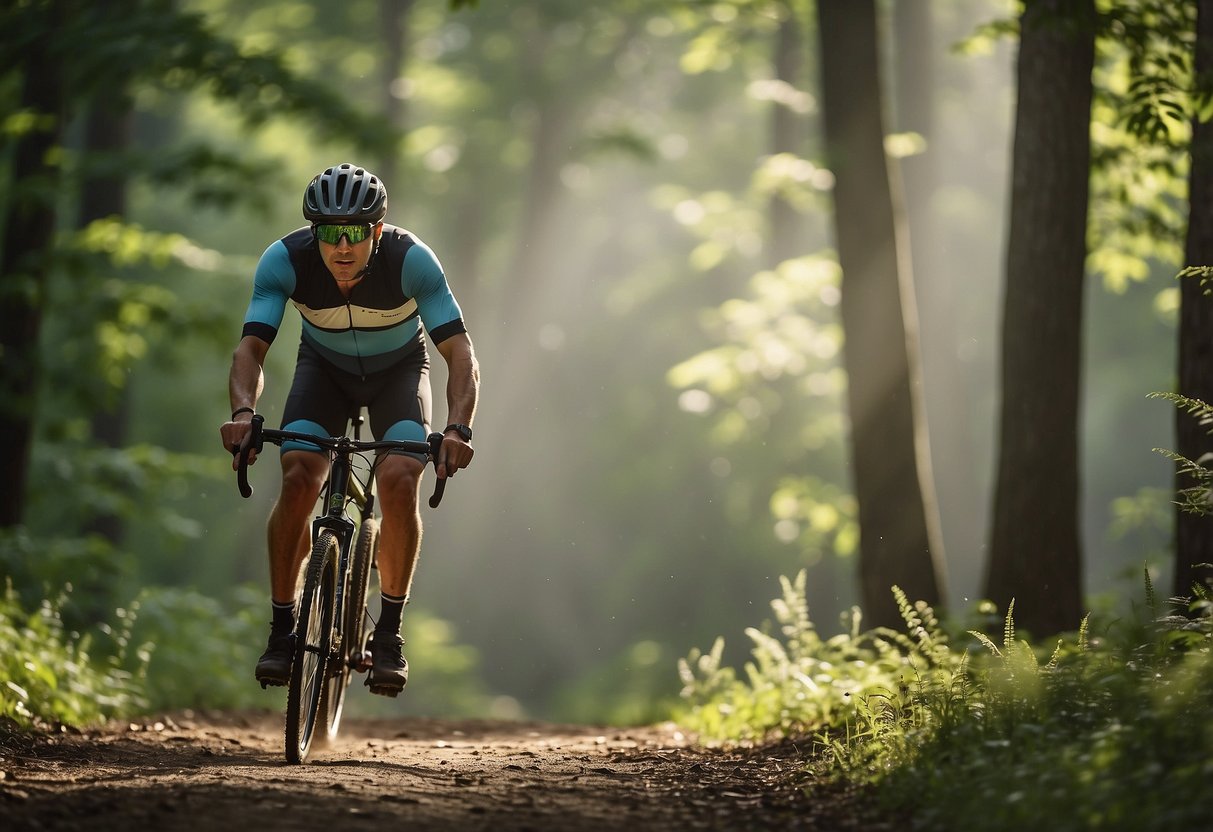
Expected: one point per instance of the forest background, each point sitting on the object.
(663, 429)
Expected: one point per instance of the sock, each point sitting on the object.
(389, 615)
(284, 617)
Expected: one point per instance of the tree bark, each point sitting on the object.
(108, 130)
(899, 533)
(28, 232)
(1194, 533)
(1035, 549)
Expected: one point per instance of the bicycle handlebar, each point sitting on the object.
(260, 436)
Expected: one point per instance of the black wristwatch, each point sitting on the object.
(462, 430)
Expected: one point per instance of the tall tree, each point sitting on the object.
(108, 131)
(1194, 532)
(899, 531)
(1035, 550)
(24, 264)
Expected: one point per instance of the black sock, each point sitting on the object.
(284, 617)
(389, 615)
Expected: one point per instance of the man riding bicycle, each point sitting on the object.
(364, 289)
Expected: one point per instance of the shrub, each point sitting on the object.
(51, 674)
(799, 681)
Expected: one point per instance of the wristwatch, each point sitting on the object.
(462, 430)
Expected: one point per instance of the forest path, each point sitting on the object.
(223, 771)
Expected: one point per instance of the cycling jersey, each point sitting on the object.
(364, 351)
(381, 322)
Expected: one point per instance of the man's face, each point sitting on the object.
(344, 260)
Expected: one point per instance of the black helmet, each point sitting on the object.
(345, 193)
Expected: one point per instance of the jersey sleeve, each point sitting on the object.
(273, 284)
(422, 278)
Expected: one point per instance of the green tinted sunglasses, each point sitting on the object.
(332, 234)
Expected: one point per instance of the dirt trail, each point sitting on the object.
(226, 772)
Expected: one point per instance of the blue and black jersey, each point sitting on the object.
(381, 322)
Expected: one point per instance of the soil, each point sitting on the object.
(226, 771)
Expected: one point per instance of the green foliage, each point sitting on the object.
(85, 572)
(1104, 735)
(200, 650)
(798, 681)
(49, 673)
(1196, 498)
(1102, 730)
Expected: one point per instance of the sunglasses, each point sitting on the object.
(332, 234)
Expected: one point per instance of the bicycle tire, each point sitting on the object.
(353, 629)
(314, 631)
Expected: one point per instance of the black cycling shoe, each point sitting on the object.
(274, 666)
(389, 671)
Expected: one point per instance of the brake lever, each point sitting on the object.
(254, 443)
(435, 440)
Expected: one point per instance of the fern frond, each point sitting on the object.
(1055, 659)
(1084, 633)
(906, 609)
(1202, 410)
(986, 642)
(1205, 273)
(1008, 628)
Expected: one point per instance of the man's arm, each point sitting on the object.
(462, 395)
(245, 382)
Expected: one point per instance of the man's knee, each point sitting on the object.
(303, 474)
(399, 478)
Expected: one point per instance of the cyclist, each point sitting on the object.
(364, 290)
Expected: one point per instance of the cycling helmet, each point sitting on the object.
(345, 193)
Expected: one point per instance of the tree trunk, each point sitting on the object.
(1035, 551)
(899, 535)
(28, 232)
(108, 130)
(1193, 533)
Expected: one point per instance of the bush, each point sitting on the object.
(1097, 732)
(201, 649)
(798, 681)
(51, 674)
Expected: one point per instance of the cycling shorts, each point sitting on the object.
(323, 398)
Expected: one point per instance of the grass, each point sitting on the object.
(1104, 729)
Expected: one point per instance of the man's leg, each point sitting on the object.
(303, 474)
(398, 480)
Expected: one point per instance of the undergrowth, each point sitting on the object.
(1104, 729)
(51, 674)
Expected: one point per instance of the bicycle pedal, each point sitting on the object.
(385, 690)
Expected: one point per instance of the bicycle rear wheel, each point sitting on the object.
(314, 630)
(353, 630)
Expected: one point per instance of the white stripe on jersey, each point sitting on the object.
(339, 317)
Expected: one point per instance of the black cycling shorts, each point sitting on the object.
(323, 398)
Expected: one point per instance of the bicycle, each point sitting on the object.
(330, 622)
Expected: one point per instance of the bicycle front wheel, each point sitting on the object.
(353, 638)
(313, 639)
